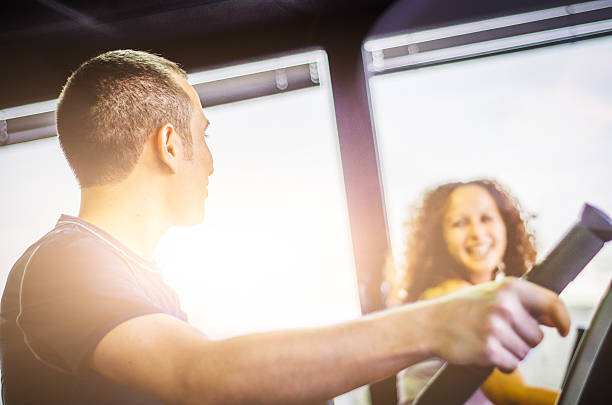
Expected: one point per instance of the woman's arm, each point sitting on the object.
(445, 288)
(511, 389)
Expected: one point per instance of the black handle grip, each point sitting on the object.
(454, 384)
(567, 259)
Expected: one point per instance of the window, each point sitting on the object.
(274, 250)
(538, 120)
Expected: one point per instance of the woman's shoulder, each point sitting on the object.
(444, 288)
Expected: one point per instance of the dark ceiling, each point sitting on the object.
(44, 40)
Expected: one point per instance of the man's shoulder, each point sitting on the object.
(66, 253)
(65, 245)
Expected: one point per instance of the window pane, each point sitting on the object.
(539, 121)
(274, 249)
(37, 186)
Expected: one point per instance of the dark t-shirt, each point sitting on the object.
(64, 294)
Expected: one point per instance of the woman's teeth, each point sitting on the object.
(478, 250)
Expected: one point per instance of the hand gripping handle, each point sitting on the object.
(453, 384)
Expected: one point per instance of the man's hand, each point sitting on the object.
(495, 323)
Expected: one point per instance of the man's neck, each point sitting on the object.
(136, 221)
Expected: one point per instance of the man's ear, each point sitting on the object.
(168, 147)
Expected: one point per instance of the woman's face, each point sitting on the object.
(474, 232)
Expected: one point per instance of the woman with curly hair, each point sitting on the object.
(464, 234)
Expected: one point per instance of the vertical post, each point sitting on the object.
(361, 175)
(359, 162)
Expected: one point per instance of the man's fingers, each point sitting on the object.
(502, 358)
(526, 327)
(510, 340)
(543, 304)
(497, 323)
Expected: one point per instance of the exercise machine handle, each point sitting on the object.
(454, 384)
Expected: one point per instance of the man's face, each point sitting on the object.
(194, 173)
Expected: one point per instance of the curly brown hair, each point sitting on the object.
(428, 262)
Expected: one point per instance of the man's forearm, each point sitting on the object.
(310, 365)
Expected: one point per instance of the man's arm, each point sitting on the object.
(490, 324)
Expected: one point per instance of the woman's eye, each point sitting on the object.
(459, 223)
(486, 218)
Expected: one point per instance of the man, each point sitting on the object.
(88, 320)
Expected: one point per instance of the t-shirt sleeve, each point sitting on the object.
(71, 295)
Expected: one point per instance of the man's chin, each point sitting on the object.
(199, 219)
(192, 219)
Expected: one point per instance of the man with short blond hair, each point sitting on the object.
(87, 318)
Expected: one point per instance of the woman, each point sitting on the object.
(465, 234)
